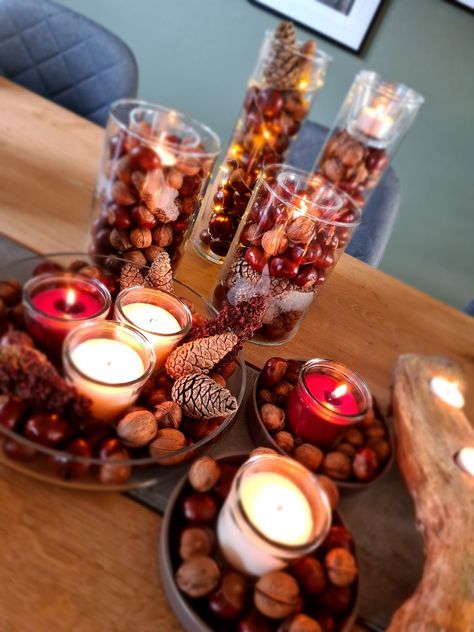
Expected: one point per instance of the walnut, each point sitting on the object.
(330, 489)
(354, 437)
(341, 567)
(375, 430)
(120, 239)
(273, 418)
(167, 440)
(346, 448)
(274, 241)
(332, 169)
(381, 448)
(285, 441)
(135, 256)
(266, 396)
(350, 154)
(196, 541)
(204, 474)
(300, 623)
(308, 455)
(337, 465)
(123, 194)
(137, 428)
(168, 414)
(162, 235)
(301, 229)
(198, 576)
(262, 450)
(140, 237)
(276, 595)
(152, 252)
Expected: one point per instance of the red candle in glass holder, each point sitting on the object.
(327, 399)
(56, 302)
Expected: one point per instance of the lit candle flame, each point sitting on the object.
(70, 297)
(339, 391)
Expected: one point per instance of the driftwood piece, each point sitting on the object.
(429, 432)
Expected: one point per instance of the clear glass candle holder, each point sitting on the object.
(55, 303)
(108, 362)
(374, 118)
(327, 399)
(275, 513)
(154, 171)
(291, 236)
(275, 105)
(160, 316)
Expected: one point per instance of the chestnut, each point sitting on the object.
(223, 485)
(18, 451)
(221, 227)
(144, 157)
(12, 410)
(254, 622)
(229, 599)
(273, 372)
(270, 102)
(198, 507)
(68, 468)
(115, 472)
(46, 266)
(283, 267)
(47, 429)
(256, 258)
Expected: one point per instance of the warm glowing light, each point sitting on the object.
(448, 391)
(70, 297)
(303, 84)
(267, 135)
(339, 391)
(218, 208)
(235, 150)
(464, 459)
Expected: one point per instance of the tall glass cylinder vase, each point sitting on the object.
(294, 230)
(154, 171)
(287, 76)
(373, 120)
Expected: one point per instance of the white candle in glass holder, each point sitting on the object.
(374, 122)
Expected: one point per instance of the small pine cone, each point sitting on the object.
(241, 269)
(200, 356)
(160, 276)
(202, 398)
(279, 287)
(130, 276)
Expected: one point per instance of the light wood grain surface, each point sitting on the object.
(88, 562)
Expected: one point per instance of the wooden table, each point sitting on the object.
(79, 561)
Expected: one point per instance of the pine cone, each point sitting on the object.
(160, 276)
(202, 398)
(130, 276)
(199, 356)
(286, 67)
(308, 50)
(241, 269)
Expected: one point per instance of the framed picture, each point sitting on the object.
(345, 22)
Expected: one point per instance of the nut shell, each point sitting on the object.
(168, 415)
(276, 595)
(300, 623)
(308, 455)
(273, 417)
(204, 474)
(341, 567)
(196, 541)
(167, 440)
(337, 465)
(198, 576)
(137, 428)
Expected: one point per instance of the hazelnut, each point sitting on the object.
(10, 292)
(135, 256)
(196, 541)
(167, 440)
(330, 489)
(218, 378)
(162, 235)
(168, 414)
(204, 474)
(152, 252)
(262, 450)
(308, 455)
(273, 418)
(381, 448)
(198, 576)
(300, 230)
(337, 466)
(310, 574)
(140, 237)
(276, 595)
(282, 390)
(375, 430)
(274, 241)
(137, 428)
(123, 194)
(341, 567)
(354, 437)
(300, 623)
(285, 441)
(365, 464)
(265, 396)
(346, 448)
(112, 473)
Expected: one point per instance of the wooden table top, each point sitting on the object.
(85, 561)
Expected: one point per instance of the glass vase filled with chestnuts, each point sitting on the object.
(295, 228)
(287, 76)
(154, 171)
(369, 128)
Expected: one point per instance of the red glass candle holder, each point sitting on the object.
(327, 398)
(57, 302)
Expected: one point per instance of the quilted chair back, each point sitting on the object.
(65, 57)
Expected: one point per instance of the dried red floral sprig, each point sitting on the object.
(27, 373)
(243, 319)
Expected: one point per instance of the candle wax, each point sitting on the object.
(374, 122)
(277, 508)
(68, 303)
(308, 421)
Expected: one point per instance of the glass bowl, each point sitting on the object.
(48, 464)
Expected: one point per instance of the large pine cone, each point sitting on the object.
(202, 398)
(199, 356)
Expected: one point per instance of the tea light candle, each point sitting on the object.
(108, 363)
(160, 316)
(56, 302)
(374, 122)
(448, 391)
(464, 459)
(275, 513)
(327, 399)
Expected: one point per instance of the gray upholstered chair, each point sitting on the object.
(65, 57)
(469, 309)
(369, 241)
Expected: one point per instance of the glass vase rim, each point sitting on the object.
(45, 276)
(386, 88)
(112, 325)
(172, 147)
(321, 56)
(348, 374)
(283, 167)
(123, 293)
(315, 540)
